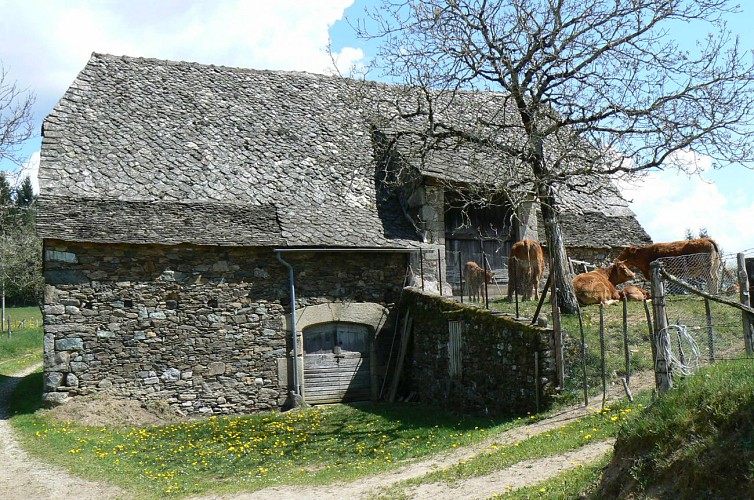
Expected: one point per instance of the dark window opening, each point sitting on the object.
(212, 303)
(128, 303)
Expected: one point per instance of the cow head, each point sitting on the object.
(620, 273)
(627, 253)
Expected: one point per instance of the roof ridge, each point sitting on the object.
(103, 56)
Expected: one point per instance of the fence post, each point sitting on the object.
(743, 292)
(627, 353)
(663, 374)
(602, 355)
(710, 332)
(484, 280)
(558, 333)
(583, 357)
(439, 272)
(460, 276)
(421, 265)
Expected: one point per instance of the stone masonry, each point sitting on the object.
(201, 328)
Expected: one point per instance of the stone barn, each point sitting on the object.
(192, 214)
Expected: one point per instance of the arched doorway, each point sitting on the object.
(336, 362)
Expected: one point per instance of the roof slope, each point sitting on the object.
(149, 151)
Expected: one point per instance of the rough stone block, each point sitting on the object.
(69, 344)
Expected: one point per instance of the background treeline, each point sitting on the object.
(21, 280)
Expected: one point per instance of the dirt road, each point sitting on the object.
(22, 477)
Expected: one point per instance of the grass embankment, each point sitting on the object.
(697, 441)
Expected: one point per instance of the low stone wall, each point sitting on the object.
(494, 370)
(201, 328)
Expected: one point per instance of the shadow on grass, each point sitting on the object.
(20, 395)
(419, 415)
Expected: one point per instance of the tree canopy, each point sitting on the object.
(598, 89)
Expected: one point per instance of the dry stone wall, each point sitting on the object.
(502, 366)
(200, 328)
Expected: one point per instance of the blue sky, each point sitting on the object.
(44, 44)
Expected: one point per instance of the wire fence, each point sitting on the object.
(707, 319)
(699, 330)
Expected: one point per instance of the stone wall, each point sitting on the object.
(201, 328)
(495, 372)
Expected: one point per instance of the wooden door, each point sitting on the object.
(336, 363)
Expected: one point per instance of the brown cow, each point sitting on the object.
(634, 293)
(526, 265)
(475, 280)
(641, 257)
(598, 286)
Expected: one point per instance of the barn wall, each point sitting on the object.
(496, 375)
(201, 328)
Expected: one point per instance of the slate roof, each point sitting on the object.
(151, 151)
(599, 219)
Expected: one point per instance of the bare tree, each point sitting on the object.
(16, 119)
(579, 92)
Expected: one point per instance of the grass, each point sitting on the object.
(688, 439)
(598, 426)
(698, 439)
(24, 347)
(574, 483)
(311, 446)
(682, 309)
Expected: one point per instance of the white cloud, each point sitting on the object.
(46, 44)
(667, 203)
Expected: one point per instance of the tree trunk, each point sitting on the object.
(561, 271)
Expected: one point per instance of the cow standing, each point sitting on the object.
(598, 286)
(475, 279)
(642, 257)
(526, 265)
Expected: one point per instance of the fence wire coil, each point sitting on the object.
(684, 363)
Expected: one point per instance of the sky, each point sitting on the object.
(44, 44)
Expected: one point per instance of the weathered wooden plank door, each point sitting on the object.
(336, 363)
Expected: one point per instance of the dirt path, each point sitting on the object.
(521, 474)
(23, 477)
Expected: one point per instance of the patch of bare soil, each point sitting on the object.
(111, 411)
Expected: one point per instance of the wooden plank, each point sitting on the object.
(407, 321)
(344, 363)
(331, 379)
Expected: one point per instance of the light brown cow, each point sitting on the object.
(598, 286)
(634, 293)
(642, 257)
(475, 280)
(526, 265)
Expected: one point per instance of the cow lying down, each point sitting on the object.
(598, 286)
(634, 293)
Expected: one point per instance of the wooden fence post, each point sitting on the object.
(626, 351)
(663, 374)
(743, 291)
(583, 358)
(558, 333)
(602, 355)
